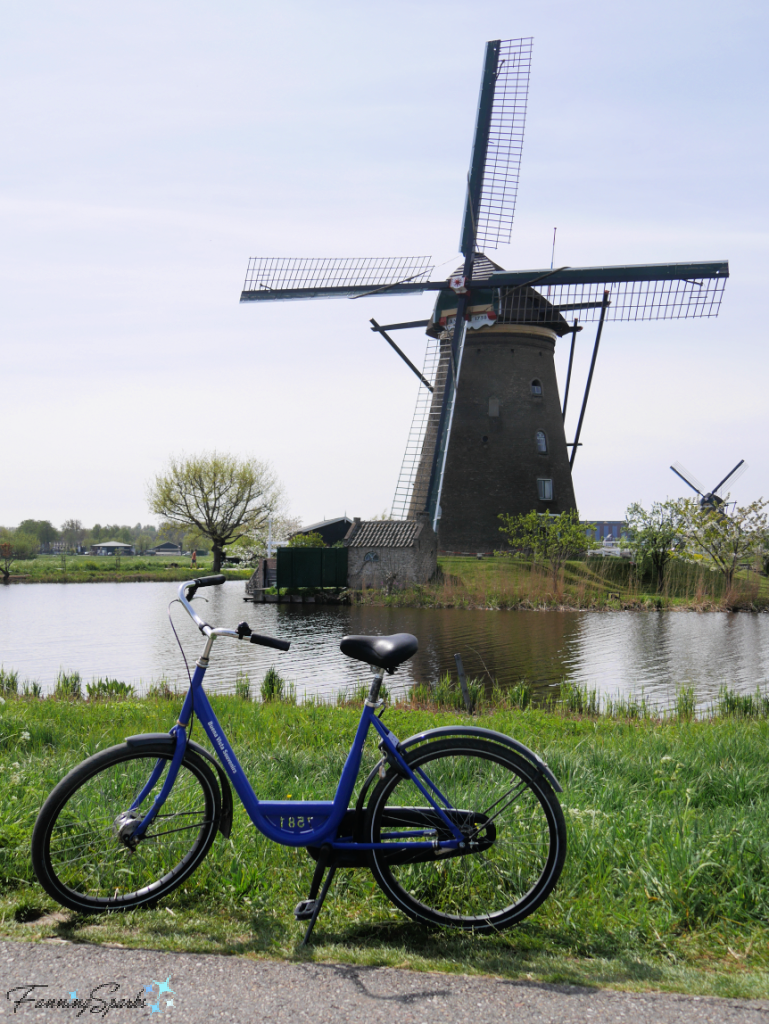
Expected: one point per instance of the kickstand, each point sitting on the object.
(310, 908)
(319, 904)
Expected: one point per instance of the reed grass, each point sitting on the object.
(242, 685)
(68, 686)
(275, 688)
(666, 883)
(109, 689)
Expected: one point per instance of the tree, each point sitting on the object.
(728, 540)
(222, 497)
(550, 539)
(72, 533)
(656, 535)
(306, 540)
(15, 547)
(43, 529)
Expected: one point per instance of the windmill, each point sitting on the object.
(709, 499)
(497, 443)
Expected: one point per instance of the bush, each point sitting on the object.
(307, 540)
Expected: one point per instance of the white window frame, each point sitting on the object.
(544, 484)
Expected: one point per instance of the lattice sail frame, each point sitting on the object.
(629, 300)
(297, 278)
(496, 208)
(411, 489)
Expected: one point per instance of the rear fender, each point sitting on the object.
(485, 734)
(439, 734)
(164, 739)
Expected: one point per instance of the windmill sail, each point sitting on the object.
(269, 278)
(532, 308)
(411, 490)
(499, 191)
(662, 291)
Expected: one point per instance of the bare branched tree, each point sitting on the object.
(222, 497)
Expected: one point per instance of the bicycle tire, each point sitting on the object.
(76, 853)
(502, 804)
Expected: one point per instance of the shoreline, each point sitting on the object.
(498, 583)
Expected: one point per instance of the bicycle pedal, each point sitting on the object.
(304, 910)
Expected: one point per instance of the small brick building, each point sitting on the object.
(390, 554)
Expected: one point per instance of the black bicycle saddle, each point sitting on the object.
(383, 651)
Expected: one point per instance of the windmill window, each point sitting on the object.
(541, 442)
(485, 439)
(536, 387)
(545, 489)
(493, 407)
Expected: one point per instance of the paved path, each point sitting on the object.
(212, 989)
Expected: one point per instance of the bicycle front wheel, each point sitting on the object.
(512, 823)
(77, 854)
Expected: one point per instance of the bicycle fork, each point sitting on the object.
(131, 824)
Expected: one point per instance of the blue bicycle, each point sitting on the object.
(460, 826)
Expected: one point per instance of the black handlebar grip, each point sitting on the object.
(269, 641)
(210, 581)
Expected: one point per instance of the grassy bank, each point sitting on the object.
(666, 883)
(493, 583)
(503, 582)
(109, 569)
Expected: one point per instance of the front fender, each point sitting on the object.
(164, 739)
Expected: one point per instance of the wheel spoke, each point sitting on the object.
(85, 865)
(513, 817)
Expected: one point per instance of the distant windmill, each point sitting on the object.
(497, 443)
(709, 499)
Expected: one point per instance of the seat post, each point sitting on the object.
(376, 682)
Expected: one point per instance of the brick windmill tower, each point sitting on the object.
(488, 431)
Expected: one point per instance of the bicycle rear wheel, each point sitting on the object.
(513, 826)
(77, 855)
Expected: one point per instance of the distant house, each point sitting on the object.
(166, 548)
(390, 554)
(112, 547)
(331, 530)
(610, 531)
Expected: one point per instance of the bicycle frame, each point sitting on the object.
(294, 822)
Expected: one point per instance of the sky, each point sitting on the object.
(149, 149)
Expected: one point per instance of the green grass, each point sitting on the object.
(108, 569)
(502, 582)
(666, 883)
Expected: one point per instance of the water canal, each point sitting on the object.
(121, 631)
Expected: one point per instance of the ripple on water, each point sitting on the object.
(121, 631)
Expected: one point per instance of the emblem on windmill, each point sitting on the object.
(488, 430)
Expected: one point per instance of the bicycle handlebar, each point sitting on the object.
(270, 641)
(209, 581)
(186, 594)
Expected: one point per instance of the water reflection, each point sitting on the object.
(121, 631)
